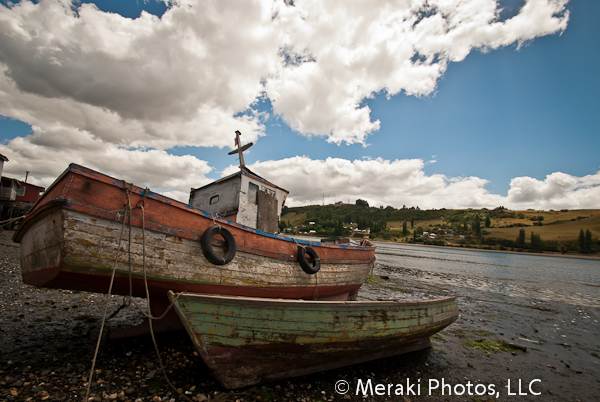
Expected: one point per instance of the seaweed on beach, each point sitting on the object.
(490, 346)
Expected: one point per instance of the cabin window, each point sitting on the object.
(21, 191)
(214, 199)
(252, 193)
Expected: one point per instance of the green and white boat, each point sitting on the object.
(247, 340)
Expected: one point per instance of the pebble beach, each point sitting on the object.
(502, 347)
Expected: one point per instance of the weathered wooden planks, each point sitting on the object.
(95, 244)
(74, 240)
(247, 341)
(41, 249)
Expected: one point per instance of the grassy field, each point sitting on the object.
(562, 227)
(397, 225)
(556, 225)
(294, 218)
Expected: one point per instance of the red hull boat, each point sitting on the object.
(73, 239)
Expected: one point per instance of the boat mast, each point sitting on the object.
(240, 150)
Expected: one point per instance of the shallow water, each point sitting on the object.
(571, 280)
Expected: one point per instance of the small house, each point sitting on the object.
(17, 197)
(2, 160)
(15, 190)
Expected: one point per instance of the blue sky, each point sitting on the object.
(527, 111)
(496, 115)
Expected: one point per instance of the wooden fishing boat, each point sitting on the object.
(72, 238)
(247, 341)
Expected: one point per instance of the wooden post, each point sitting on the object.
(240, 149)
(10, 217)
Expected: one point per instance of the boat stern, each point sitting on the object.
(41, 248)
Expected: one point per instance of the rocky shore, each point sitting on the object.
(48, 337)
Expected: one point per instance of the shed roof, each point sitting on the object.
(246, 172)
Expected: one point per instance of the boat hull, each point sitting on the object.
(75, 236)
(248, 341)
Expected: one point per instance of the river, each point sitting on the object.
(571, 280)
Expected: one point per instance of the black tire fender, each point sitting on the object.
(208, 250)
(304, 264)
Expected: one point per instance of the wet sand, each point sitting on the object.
(47, 341)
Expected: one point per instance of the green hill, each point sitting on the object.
(568, 231)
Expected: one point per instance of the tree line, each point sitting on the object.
(342, 220)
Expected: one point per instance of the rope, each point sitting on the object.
(121, 307)
(13, 219)
(219, 226)
(127, 211)
(142, 201)
(149, 314)
(112, 279)
(223, 258)
(128, 195)
(316, 295)
(214, 221)
(140, 204)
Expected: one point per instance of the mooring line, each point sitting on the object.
(139, 204)
(112, 279)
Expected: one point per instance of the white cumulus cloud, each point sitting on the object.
(186, 78)
(47, 153)
(403, 182)
(116, 94)
(558, 190)
(378, 181)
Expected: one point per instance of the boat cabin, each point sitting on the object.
(243, 197)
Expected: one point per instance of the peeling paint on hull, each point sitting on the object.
(70, 239)
(248, 341)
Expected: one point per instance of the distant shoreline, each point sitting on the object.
(546, 254)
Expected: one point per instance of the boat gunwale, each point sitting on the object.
(103, 178)
(287, 302)
(92, 211)
(43, 210)
(220, 357)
